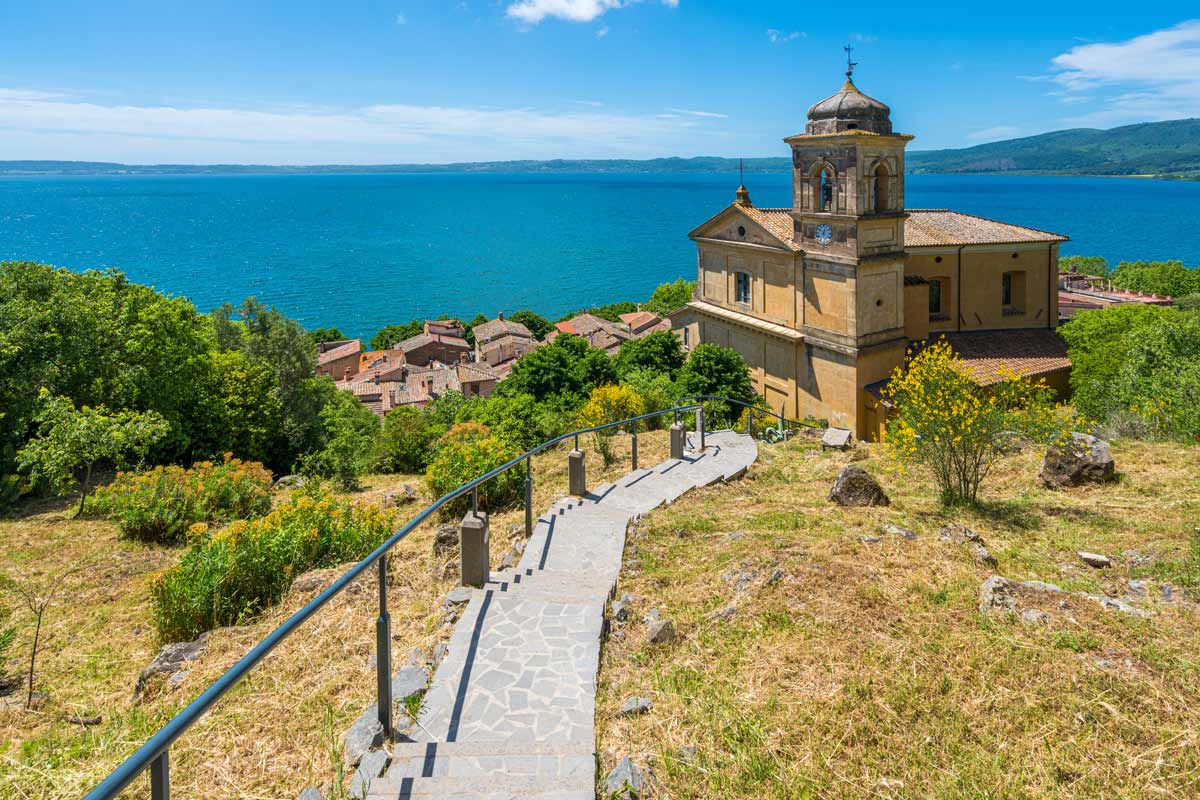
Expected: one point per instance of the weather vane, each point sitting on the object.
(850, 65)
(741, 174)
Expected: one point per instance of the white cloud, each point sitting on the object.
(534, 11)
(994, 134)
(1155, 76)
(602, 31)
(37, 125)
(401, 19)
(707, 114)
(775, 36)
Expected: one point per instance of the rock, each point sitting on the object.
(311, 793)
(959, 534)
(740, 578)
(169, 661)
(403, 496)
(661, 632)
(445, 541)
(776, 576)
(1084, 459)
(1001, 594)
(310, 581)
(837, 438)
(651, 616)
(1094, 559)
(624, 782)
(1139, 588)
(371, 767)
(997, 593)
(870, 539)
(723, 613)
(1113, 604)
(409, 681)
(855, 487)
(635, 705)
(1033, 616)
(982, 555)
(439, 653)
(896, 530)
(290, 482)
(458, 596)
(620, 611)
(734, 536)
(365, 733)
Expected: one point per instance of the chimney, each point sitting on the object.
(348, 374)
(500, 316)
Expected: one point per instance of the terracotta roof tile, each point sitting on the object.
(934, 227)
(349, 348)
(1033, 352)
(777, 221)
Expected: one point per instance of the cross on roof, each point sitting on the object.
(850, 65)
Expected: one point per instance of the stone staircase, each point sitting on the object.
(510, 712)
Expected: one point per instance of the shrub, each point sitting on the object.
(720, 371)
(229, 577)
(669, 297)
(406, 441)
(947, 422)
(351, 430)
(661, 352)
(161, 504)
(465, 452)
(657, 390)
(609, 404)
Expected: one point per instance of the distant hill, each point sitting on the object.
(1159, 149)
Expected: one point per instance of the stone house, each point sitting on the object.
(425, 348)
(824, 298)
(598, 332)
(499, 342)
(339, 360)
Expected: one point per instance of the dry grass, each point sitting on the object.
(278, 731)
(867, 670)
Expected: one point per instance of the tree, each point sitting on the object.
(406, 441)
(670, 297)
(390, 335)
(945, 421)
(253, 416)
(1170, 278)
(660, 352)
(319, 335)
(719, 371)
(351, 430)
(469, 328)
(1098, 343)
(71, 440)
(1189, 303)
(37, 600)
(567, 367)
(1086, 265)
(516, 419)
(609, 404)
(538, 325)
(656, 388)
(1159, 380)
(8, 634)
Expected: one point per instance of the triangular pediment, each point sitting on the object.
(741, 225)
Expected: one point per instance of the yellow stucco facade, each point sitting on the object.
(822, 299)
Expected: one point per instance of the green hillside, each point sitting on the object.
(1161, 149)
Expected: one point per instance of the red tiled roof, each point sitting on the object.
(934, 227)
(349, 348)
(1032, 352)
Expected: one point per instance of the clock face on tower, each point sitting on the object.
(824, 234)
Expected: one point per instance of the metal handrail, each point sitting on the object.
(154, 753)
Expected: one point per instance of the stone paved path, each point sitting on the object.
(510, 712)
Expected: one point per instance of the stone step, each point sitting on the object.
(527, 763)
(496, 786)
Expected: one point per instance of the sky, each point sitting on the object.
(436, 81)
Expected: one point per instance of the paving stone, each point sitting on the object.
(371, 767)
(636, 705)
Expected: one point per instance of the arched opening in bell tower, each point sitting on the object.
(882, 200)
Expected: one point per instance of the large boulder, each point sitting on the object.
(169, 666)
(855, 487)
(1082, 459)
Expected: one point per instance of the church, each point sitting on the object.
(824, 298)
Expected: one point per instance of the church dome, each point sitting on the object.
(849, 110)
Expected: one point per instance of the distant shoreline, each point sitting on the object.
(89, 169)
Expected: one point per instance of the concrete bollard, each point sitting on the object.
(576, 473)
(473, 535)
(678, 437)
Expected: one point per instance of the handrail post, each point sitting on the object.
(750, 417)
(475, 500)
(700, 424)
(529, 497)
(635, 453)
(160, 777)
(383, 654)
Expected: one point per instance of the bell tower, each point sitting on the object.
(848, 217)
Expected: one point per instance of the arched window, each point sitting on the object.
(881, 188)
(825, 198)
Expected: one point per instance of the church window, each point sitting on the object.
(935, 296)
(1006, 287)
(1012, 291)
(826, 190)
(687, 343)
(881, 188)
(743, 288)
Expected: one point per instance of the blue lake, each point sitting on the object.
(360, 251)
